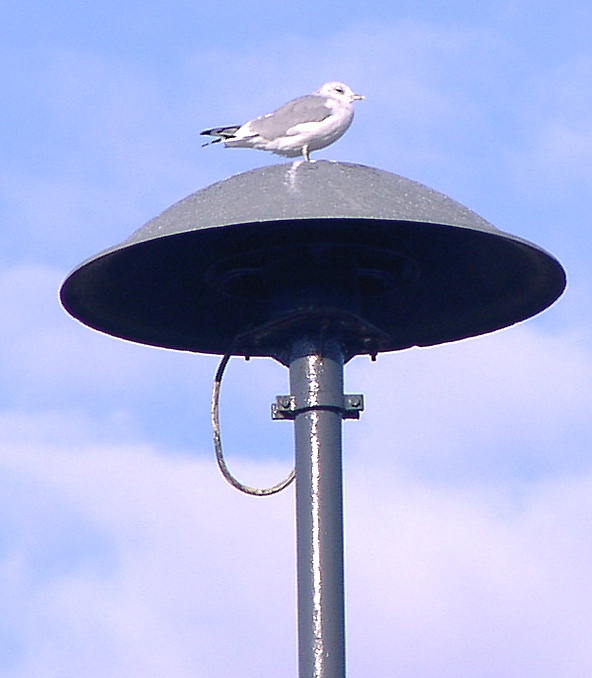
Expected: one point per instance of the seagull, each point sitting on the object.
(302, 125)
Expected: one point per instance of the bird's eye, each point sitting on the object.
(340, 90)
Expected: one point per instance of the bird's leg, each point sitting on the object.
(305, 153)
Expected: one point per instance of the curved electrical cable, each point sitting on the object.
(265, 492)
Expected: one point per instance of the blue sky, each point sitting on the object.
(468, 479)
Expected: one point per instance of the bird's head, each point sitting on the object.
(339, 90)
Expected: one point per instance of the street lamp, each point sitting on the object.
(312, 263)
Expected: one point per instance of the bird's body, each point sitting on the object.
(302, 125)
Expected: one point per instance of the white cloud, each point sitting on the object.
(452, 583)
(122, 561)
(118, 559)
(515, 402)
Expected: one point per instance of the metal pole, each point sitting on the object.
(316, 384)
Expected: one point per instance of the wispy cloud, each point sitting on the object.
(120, 558)
(510, 404)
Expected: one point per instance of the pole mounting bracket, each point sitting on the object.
(285, 407)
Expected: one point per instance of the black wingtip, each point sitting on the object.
(222, 132)
(213, 141)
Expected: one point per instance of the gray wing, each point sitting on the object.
(309, 108)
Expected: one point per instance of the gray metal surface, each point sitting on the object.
(415, 268)
(316, 382)
(314, 190)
